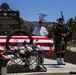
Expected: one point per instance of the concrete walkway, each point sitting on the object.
(52, 67)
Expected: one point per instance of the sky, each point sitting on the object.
(29, 9)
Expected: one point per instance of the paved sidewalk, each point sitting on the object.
(53, 68)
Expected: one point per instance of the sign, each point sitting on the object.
(9, 20)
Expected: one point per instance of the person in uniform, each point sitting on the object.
(61, 32)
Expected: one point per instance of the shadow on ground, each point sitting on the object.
(20, 69)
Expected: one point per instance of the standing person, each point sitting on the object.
(61, 32)
(40, 31)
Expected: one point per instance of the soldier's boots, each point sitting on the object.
(60, 61)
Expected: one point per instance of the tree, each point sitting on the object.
(71, 23)
(51, 30)
(21, 21)
(24, 27)
(42, 16)
(31, 30)
(22, 24)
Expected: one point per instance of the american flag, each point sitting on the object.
(45, 43)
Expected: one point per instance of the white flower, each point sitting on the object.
(22, 51)
(29, 48)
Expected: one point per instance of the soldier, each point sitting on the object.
(61, 31)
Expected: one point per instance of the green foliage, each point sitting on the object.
(21, 21)
(31, 30)
(51, 30)
(22, 24)
(72, 24)
(24, 27)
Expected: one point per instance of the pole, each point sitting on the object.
(62, 16)
(3, 70)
